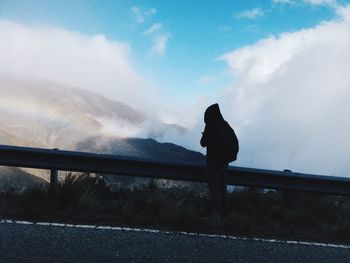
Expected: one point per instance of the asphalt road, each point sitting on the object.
(38, 243)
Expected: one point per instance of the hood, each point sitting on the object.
(213, 114)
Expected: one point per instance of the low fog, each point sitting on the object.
(288, 100)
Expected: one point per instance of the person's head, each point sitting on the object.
(213, 115)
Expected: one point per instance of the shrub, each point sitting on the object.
(81, 189)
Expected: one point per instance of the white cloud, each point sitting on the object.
(331, 3)
(160, 44)
(250, 14)
(283, 1)
(159, 39)
(140, 15)
(290, 99)
(94, 63)
(321, 2)
(344, 12)
(155, 28)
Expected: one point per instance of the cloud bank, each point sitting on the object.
(91, 62)
(290, 99)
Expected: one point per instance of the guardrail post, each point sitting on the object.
(286, 194)
(53, 180)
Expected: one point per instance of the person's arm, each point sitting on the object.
(204, 140)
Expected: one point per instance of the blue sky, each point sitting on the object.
(196, 32)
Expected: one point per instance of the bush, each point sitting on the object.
(81, 189)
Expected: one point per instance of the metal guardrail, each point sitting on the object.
(54, 160)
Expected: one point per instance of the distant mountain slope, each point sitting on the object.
(16, 181)
(52, 115)
(136, 147)
(49, 115)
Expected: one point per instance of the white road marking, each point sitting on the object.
(104, 227)
(85, 226)
(57, 224)
(24, 222)
(291, 242)
(42, 224)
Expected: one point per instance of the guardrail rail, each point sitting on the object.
(58, 160)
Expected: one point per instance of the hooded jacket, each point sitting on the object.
(212, 138)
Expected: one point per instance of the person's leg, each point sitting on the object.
(213, 177)
(223, 189)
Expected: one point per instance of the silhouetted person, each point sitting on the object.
(222, 148)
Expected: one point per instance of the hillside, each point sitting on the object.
(49, 115)
(136, 147)
(39, 113)
(15, 180)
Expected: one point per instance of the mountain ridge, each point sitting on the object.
(44, 114)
